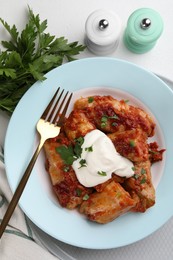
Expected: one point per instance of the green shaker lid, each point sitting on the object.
(144, 27)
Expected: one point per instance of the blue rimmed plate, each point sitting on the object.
(104, 76)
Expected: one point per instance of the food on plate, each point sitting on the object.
(67, 188)
(101, 161)
(111, 115)
(140, 187)
(107, 205)
(131, 144)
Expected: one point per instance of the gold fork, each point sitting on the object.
(48, 126)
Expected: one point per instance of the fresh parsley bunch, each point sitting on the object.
(28, 56)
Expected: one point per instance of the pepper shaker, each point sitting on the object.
(103, 29)
(144, 27)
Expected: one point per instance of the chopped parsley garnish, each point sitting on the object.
(66, 168)
(135, 176)
(89, 149)
(86, 197)
(78, 192)
(132, 143)
(139, 175)
(118, 194)
(105, 118)
(143, 181)
(113, 117)
(143, 171)
(79, 140)
(90, 99)
(114, 124)
(77, 148)
(102, 173)
(69, 153)
(82, 163)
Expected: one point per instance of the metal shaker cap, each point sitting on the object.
(103, 30)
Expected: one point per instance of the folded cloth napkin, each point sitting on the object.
(18, 241)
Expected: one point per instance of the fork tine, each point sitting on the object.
(59, 109)
(54, 108)
(62, 116)
(46, 111)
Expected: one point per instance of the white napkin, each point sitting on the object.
(18, 241)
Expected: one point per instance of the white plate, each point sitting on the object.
(91, 76)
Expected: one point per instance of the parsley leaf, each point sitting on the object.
(86, 197)
(102, 173)
(132, 143)
(66, 153)
(28, 56)
(82, 163)
(78, 192)
(77, 148)
(143, 181)
(104, 120)
(70, 153)
(90, 99)
(143, 171)
(89, 149)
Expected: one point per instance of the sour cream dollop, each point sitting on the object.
(99, 159)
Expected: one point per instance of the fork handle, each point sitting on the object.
(20, 189)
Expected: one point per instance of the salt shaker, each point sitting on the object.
(144, 27)
(102, 29)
